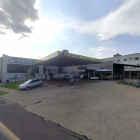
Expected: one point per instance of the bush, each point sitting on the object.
(125, 82)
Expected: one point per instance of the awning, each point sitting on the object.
(65, 59)
(105, 70)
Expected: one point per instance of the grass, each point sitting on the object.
(12, 86)
(2, 92)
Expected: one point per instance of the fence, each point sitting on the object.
(132, 81)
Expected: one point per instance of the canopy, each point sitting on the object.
(66, 59)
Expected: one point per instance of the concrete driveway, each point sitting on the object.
(100, 110)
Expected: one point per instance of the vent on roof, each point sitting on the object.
(115, 55)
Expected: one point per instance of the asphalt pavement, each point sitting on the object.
(27, 126)
(4, 136)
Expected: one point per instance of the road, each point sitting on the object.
(26, 126)
(4, 136)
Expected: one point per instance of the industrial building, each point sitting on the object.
(132, 59)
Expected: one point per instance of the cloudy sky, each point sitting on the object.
(95, 28)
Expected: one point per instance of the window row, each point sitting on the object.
(135, 58)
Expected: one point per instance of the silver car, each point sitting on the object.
(30, 84)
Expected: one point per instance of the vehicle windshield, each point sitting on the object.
(27, 81)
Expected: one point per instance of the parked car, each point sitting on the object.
(94, 77)
(30, 84)
(107, 77)
(83, 76)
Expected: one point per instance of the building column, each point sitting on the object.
(100, 75)
(73, 68)
(88, 74)
(129, 74)
(112, 76)
(47, 74)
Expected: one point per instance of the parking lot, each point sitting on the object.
(100, 110)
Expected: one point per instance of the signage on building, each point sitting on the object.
(66, 53)
(20, 61)
(17, 60)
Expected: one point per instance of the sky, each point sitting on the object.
(94, 28)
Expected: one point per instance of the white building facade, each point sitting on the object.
(132, 59)
(14, 68)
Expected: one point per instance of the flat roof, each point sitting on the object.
(105, 70)
(120, 63)
(98, 69)
(122, 55)
(93, 68)
(63, 58)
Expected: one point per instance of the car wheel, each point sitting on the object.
(72, 80)
(27, 88)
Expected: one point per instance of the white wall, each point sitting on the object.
(11, 60)
(70, 69)
(6, 76)
(121, 58)
(129, 61)
(40, 75)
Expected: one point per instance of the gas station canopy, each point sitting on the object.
(66, 59)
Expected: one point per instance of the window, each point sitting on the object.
(125, 59)
(14, 68)
(130, 58)
(136, 58)
(118, 60)
(33, 81)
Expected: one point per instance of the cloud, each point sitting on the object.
(98, 50)
(1, 32)
(31, 45)
(44, 30)
(23, 36)
(102, 51)
(14, 13)
(124, 20)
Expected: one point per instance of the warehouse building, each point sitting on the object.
(132, 59)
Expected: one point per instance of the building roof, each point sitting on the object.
(64, 58)
(120, 63)
(122, 55)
